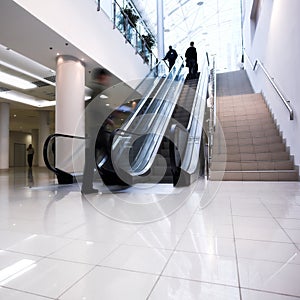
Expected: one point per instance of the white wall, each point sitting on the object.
(90, 31)
(276, 43)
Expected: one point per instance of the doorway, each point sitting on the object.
(19, 155)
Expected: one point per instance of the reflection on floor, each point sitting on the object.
(232, 240)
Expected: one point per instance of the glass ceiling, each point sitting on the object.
(214, 26)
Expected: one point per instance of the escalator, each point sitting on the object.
(180, 117)
(157, 138)
(164, 143)
(70, 169)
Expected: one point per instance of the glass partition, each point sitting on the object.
(129, 22)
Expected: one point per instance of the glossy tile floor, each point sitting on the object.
(215, 241)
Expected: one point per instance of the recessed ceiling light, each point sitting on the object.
(16, 81)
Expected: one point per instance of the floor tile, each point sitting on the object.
(256, 295)
(250, 210)
(270, 251)
(265, 229)
(84, 251)
(289, 223)
(156, 239)
(142, 259)
(11, 263)
(47, 277)
(10, 238)
(294, 234)
(9, 294)
(270, 276)
(202, 267)
(181, 289)
(211, 226)
(42, 245)
(206, 244)
(111, 284)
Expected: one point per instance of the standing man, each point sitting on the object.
(191, 60)
(171, 57)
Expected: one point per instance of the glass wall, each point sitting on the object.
(129, 22)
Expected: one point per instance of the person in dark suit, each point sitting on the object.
(191, 60)
(171, 57)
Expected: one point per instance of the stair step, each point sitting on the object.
(245, 157)
(278, 175)
(238, 149)
(252, 165)
(252, 141)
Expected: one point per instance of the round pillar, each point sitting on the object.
(4, 135)
(44, 131)
(35, 144)
(160, 28)
(69, 113)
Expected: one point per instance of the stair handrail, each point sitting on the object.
(282, 97)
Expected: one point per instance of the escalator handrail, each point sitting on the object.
(45, 150)
(159, 123)
(143, 101)
(195, 125)
(153, 102)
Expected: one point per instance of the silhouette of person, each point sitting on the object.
(171, 57)
(101, 79)
(30, 153)
(191, 60)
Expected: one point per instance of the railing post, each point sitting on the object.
(114, 14)
(126, 28)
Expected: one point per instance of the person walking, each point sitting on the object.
(94, 113)
(30, 153)
(191, 60)
(171, 57)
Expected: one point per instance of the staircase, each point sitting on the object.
(247, 144)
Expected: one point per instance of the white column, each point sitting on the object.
(35, 144)
(69, 114)
(160, 28)
(4, 135)
(44, 131)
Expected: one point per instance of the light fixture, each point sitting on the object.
(26, 99)
(27, 73)
(16, 81)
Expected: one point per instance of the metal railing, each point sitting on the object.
(132, 34)
(282, 97)
(212, 109)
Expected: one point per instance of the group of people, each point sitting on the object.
(190, 57)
